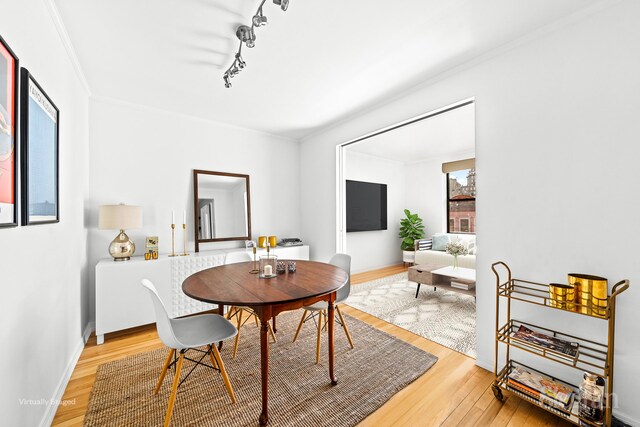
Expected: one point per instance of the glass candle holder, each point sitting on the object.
(268, 265)
(281, 267)
(292, 266)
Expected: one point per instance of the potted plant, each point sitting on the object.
(411, 229)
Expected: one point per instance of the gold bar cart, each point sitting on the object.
(594, 357)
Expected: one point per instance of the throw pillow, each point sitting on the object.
(424, 244)
(440, 242)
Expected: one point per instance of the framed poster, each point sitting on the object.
(8, 125)
(39, 124)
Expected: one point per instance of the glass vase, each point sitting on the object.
(455, 262)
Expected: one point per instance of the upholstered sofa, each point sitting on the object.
(432, 251)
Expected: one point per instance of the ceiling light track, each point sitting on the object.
(247, 35)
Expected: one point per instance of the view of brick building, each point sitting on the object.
(462, 201)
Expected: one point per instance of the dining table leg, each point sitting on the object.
(221, 313)
(331, 314)
(264, 362)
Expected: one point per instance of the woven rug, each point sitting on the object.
(299, 390)
(448, 318)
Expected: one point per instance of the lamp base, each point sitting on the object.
(122, 248)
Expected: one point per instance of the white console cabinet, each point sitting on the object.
(122, 302)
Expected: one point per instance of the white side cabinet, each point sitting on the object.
(122, 302)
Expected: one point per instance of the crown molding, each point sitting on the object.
(66, 42)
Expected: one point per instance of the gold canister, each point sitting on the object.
(262, 242)
(591, 293)
(562, 296)
(273, 241)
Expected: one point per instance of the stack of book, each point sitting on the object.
(462, 285)
(562, 349)
(541, 387)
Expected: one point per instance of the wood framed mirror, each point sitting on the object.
(222, 207)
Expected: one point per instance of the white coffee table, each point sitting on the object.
(442, 278)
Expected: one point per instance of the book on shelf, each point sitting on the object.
(544, 388)
(462, 285)
(565, 349)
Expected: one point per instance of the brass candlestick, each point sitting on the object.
(255, 270)
(173, 240)
(184, 238)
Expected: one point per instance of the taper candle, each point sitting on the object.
(173, 217)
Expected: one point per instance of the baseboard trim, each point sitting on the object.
(487, 366)
(52, 407)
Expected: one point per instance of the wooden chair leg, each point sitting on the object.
(344, 325)
(164, 369)
(255, 316)
(231, 312)
(235, 344)
(300, 326)
(271, 333)
(213, 359)
(225, 377)
(319, 336)
(174, 390)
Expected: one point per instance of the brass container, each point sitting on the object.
(562, 296)
(591, 293)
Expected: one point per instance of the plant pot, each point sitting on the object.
(408, 256)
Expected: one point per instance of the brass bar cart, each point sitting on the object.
(594, 357)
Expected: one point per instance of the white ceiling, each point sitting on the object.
(446, 134)
(317, 63)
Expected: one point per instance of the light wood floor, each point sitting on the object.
(454, 392)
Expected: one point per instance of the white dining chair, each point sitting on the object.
(240, 312)
(320, 308)
(189, 333)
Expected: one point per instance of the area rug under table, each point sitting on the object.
(448, 318)
(299, 391)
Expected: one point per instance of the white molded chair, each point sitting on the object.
(319, 309)
(240, 312)
(185, 334)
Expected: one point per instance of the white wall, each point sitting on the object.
(379, 248)
(556, 156)
(146, 157)
(44, 267)
(426, 190)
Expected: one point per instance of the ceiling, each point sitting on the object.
(318, 63)
(442, 135)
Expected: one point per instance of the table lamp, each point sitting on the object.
(120, 217)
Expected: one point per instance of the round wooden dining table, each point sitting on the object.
(234, 285)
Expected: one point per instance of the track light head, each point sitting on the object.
(227, 83)
(259, 20)
(240, 61)
(284, 4)
(246, 35)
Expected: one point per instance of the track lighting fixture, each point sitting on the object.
(284, 4)
(259, 20)
(247, 36)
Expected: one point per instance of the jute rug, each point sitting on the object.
(448, 318)
(299, 390)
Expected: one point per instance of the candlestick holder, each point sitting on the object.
(255, 269)
(173, 240)
(184, 239)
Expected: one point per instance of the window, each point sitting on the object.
(461, 201)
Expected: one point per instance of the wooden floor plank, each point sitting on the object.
(454, 392)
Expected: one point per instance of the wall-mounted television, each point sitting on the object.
(366, 206)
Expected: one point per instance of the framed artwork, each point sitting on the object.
(8, 125)
(39, 126)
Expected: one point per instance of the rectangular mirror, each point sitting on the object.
(222, 207)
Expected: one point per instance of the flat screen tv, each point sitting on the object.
(366, 206)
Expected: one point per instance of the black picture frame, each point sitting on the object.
(40, 142)
(9, 147)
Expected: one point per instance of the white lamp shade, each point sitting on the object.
(119, 217)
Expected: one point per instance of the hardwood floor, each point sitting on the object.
(455, 392)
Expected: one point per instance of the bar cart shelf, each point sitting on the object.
(593, 357)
